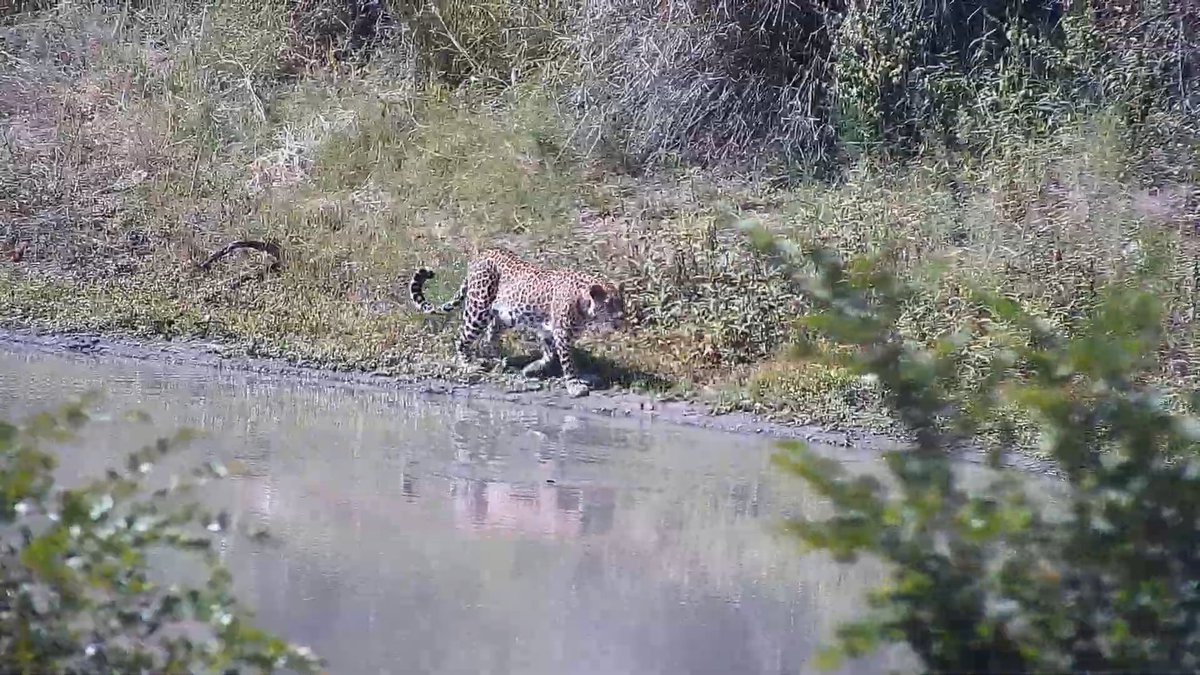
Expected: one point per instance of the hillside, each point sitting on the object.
(971, 143)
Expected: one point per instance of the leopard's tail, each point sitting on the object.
(416, 290)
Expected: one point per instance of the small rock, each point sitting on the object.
(81, 343)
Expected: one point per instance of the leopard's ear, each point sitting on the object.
(598, 293)
(621, 287)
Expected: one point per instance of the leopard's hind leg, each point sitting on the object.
(483, 280)
(549, 356)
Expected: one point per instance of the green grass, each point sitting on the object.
(125, 168)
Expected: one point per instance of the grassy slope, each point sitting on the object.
(126, 160)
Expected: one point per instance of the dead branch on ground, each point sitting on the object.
(270, 248)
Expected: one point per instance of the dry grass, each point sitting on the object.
(723, 83)
(134, 146)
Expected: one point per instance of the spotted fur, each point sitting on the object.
(502, 291)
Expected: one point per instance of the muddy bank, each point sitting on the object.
(602, 402)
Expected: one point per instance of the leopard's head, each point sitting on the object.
(604, 305)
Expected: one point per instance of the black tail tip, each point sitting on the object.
(423, 274)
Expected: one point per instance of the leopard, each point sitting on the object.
(502, 291)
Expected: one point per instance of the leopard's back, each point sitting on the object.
(537, 296)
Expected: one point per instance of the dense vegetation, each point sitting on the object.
(1038, 149)
(78, 592)
(1101, 576)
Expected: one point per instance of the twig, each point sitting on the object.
(248, 82)
(18, 251)
(466, 55)
(270, 248)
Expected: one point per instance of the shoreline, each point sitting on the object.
(611, 403)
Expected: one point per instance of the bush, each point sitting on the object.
(723, 82)
(995, 581)
(78, 593)
(494, 42)
(750, 83)
(978, 73)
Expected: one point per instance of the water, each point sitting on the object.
(426, 535)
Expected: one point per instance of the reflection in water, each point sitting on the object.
(537, 509)
(436, 536)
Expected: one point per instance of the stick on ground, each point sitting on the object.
(267, 247)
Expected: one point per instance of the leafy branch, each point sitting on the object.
(76, 591)
(1108, 579)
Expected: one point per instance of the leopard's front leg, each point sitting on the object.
(562, 346)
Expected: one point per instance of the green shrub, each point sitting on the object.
(985, 74)
(77, 593)
(996, 580)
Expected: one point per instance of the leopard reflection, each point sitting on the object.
(538, 509)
